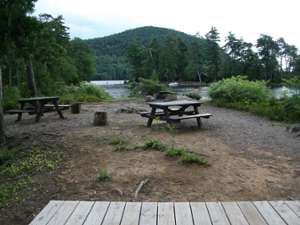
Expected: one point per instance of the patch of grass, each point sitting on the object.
(17, 167)
(119, 144)
(191, 158)
(155, 145)
(36, 161)
(103, 176)
(12, 190)
(7, 155)
(174, 152)
(186, 157)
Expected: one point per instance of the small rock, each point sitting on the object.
(149, 98)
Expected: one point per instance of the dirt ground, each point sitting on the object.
(250, 158)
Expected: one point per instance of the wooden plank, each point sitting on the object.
(80, 213)
(269, 214)
(97, 213)
(295, 206)
(47, 213)
(234, 213)
(131, 214)
(114, 213)
(63, 213)
(285, 212)
(200, 213)
(217, 213)
(148, 213)
(165, 213)
(183, 214)
(251, 214)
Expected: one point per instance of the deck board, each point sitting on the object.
(270, 215)
(148, 213)
(183, 214)
(169, 213)
(234, 213)
(251, 214)
(286, 213)
(97, 213)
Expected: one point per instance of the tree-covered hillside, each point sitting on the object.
(111, 51)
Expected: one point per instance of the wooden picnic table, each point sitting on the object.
(37, 106)
(174, 111)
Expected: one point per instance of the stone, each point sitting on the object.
(149, 98)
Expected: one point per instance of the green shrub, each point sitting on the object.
(191, 158)
(146, 87)
(155, 145)
(103, 176)
(119, 144)
(83, 93)
(174, 152)
(254, 97)
(194, 96)
(10, 97)
(239, 90)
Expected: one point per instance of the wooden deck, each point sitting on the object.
(169, 213)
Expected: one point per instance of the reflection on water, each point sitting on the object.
(119, 89)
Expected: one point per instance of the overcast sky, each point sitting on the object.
(245, 18)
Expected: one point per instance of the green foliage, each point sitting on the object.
(171, 151)
(83, 93)
(254, 97)
(146, 87)
(155, 145)
(293, 82)
(7, 155)
(11, 190)
(10, 97)
(194, 96)
(16, 168)
(119, 143)
(191, 158)
(174, 152)
(103, 176)
(238, 89)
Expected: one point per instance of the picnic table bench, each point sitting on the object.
(38, 106)
(174, 111)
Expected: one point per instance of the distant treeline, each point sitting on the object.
(168, 55)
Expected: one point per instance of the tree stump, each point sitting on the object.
(100, 118)
(75, 108)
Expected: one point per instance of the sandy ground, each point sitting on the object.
(250, 158)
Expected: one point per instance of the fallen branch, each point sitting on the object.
(143, 182)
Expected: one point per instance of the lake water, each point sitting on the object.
(119, 89)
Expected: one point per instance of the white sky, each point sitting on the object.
(245, 18)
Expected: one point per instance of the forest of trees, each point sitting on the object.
(175, 60)
(37, 54)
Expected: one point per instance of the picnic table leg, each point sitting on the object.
(20, 113)
(199, 123)
(38, 111)
(58, 110)
(152, 116)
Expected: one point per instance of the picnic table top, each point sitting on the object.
(45, 98)
(175, 103)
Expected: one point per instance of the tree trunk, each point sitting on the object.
(100, 119)
(30, 77)
(2, 133)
